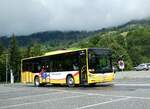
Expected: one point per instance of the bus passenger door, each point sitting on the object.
(83, 69)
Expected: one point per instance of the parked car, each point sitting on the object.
(148, 65)
(142, 67)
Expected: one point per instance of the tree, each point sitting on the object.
(108, 41)
(2, 67)
(139, 41)
(2, 63)
(34, 50)
(14, 57)
(1, 48)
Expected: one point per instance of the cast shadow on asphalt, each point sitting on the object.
(78, 87)
(105, 86)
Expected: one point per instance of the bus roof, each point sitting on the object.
(56, 52)
(61, 51)
(65, 51)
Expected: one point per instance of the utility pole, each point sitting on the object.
(6, 67)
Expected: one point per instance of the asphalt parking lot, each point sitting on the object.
(127, 93)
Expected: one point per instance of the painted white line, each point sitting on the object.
(142, 98)
(133, 97)
(21, 97)
(12, 90)
(147, 85)
(97, 104)
(47, 100)
(29, 96)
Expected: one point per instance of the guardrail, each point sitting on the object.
(132, 74)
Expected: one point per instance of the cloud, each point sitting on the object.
(27, 16)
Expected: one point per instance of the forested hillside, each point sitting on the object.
(48, 38)
(130, 41)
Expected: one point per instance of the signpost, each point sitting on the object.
(11, 77)
(121, 65)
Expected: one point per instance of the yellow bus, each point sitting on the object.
(71, 67)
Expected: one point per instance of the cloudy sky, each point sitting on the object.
(24, 17)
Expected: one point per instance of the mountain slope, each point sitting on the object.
(48, 37)
(130, 41)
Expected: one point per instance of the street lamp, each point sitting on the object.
(6, 67)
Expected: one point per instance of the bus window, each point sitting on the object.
(35, 67)
(39, 68)
(99, 63)
(50, 66)
(27, 66)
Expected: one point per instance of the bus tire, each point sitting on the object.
(36, 81)
(92, 84)
(70, 81)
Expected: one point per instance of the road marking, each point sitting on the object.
(97, 104)
(48, 100)
(32, 95)
(132, 85)
(12, 90)
(133, 97)
(22, 97)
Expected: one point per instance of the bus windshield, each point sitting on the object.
(100, 61)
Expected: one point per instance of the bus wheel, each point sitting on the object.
(70, 81)
(36, 81)
(92, 84)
